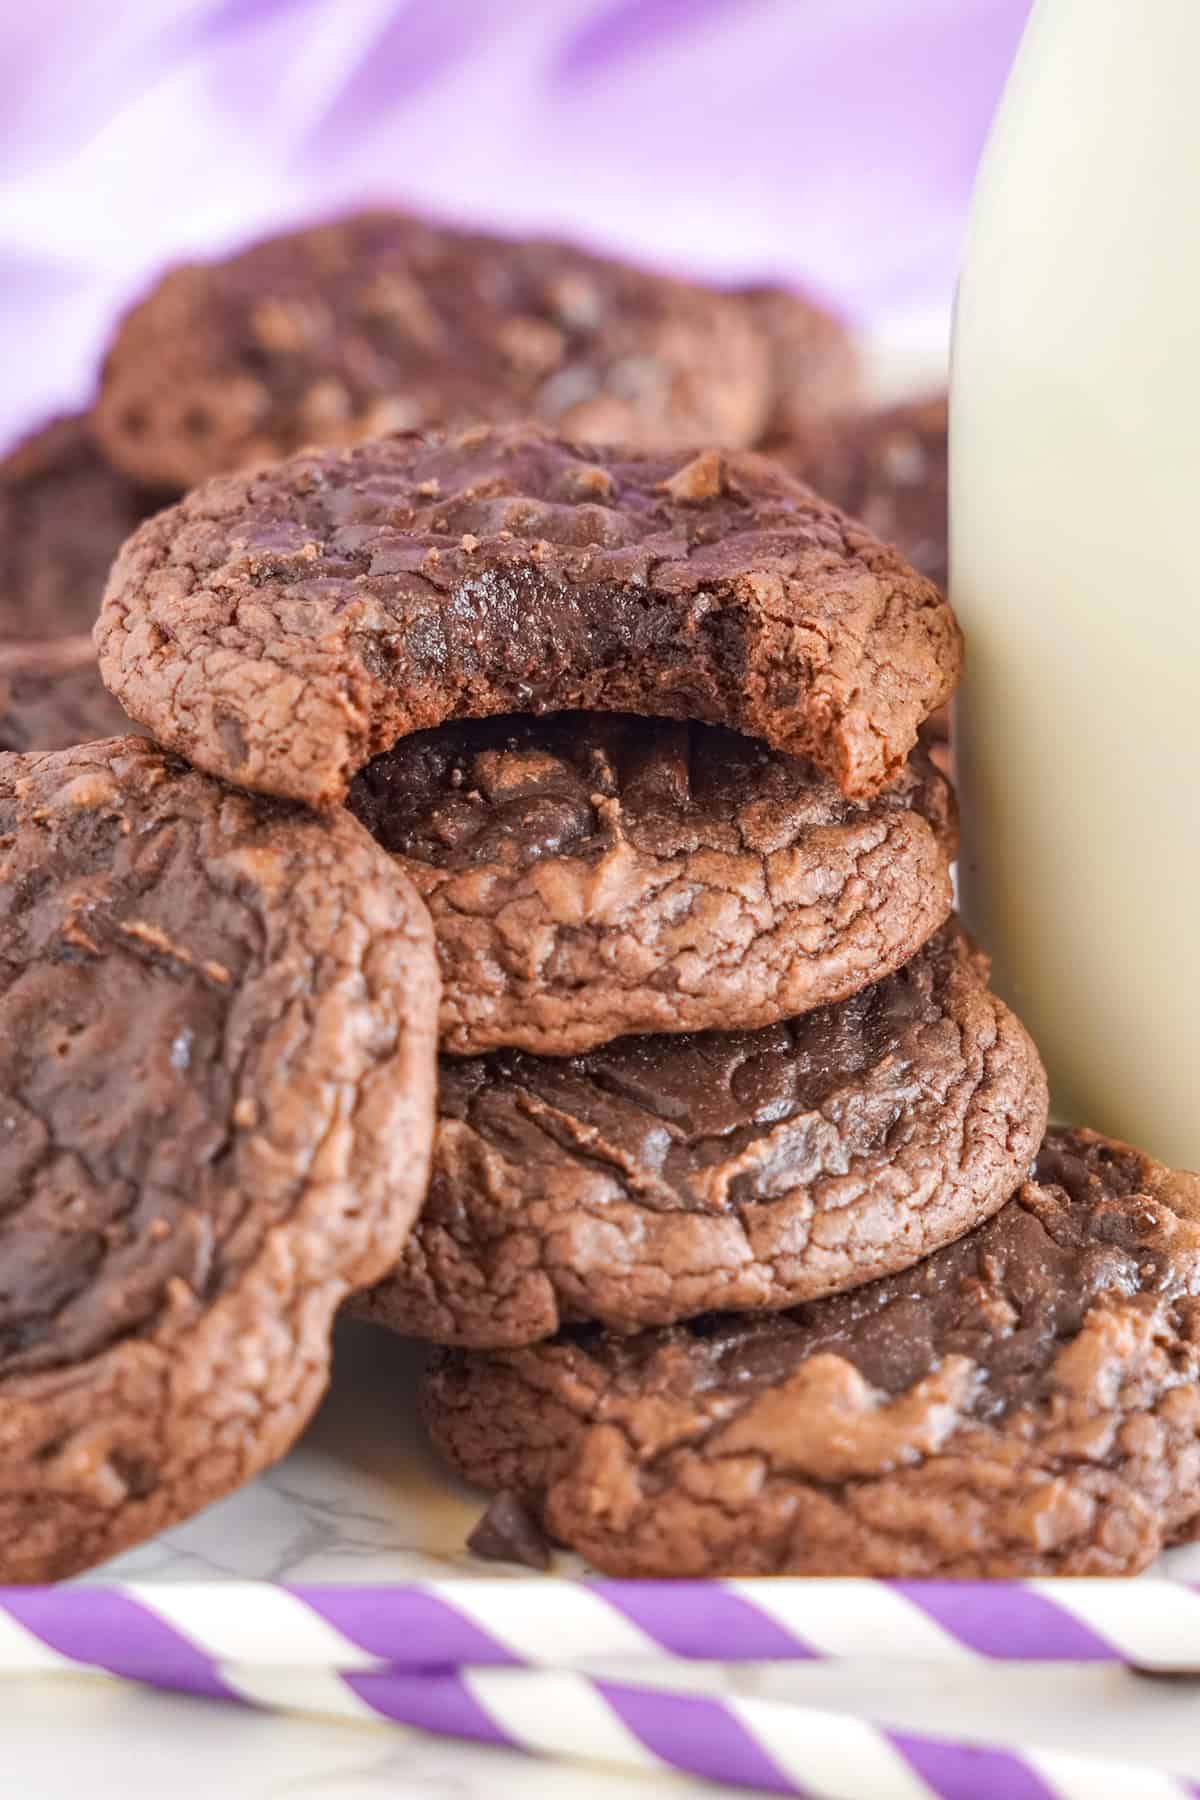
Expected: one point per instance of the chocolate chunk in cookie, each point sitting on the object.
(385, 321)
(509, 1532)
(595, 874)
(51, 695)
(1024, 1403)
(663, 1177)
(64, 514)
(282, 629)
(217, 1033)
(815, 371)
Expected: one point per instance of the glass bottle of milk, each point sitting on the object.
(1075, 560)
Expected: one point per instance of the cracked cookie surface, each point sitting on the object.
(1024, 1403)
(385, 321)
(281, 630)
(217, 1034)
(591, 875)
(657, 1178)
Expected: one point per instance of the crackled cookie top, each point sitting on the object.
(1024, 1402)
(64, 514)
(593, 874)
(384, 321)
(282, 629)
(217, 1021)
(661, 1177)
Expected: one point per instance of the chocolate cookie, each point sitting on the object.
(663, 1177)
(217, 1031)
(283, 629)
(64, 514)
(386, 321)
(51, 695)
(889, 469)
(594, 874)
(815, 370)
(1025, 1403)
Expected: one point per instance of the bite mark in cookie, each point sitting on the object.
(281, 630)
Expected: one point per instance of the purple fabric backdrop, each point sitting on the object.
(828, 139)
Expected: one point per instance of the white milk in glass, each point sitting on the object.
(1075, 560)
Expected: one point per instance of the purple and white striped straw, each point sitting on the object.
(769, 1745)
(136, 1629)
(491, 1661)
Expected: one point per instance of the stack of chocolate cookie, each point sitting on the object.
(713, 1043)
(601, 769)
(730, 1241)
